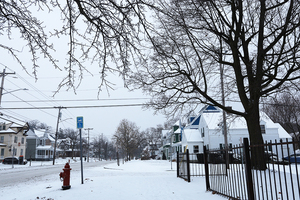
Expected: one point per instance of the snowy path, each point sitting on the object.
(137, 180)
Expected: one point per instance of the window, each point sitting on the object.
(263, 129)
(1, 139)
(202, 132)
(16, 139)
(21, 152)
(196, 149)
(22, 140)
(2, 126)
(2, 153)
(41, 152)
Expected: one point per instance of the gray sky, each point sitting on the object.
(40, 94)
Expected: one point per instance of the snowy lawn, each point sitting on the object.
(138, 180)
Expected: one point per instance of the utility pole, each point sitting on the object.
(88, 129)
(223, 103)
(55, 143)
(3, 74)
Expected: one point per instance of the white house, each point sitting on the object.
(12, 139)
(206, 129)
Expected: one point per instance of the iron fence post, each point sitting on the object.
(177, 163)
(249, 180)
(188, 166)
(206, 168)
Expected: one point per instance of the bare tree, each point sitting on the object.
(35, 124)
(154, 138)
(99, 146)
(74, 139)
(128, 138)
(98, 32)
(284, 109)
(254, 44)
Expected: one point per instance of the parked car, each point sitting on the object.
(15, 160)
(294, 158)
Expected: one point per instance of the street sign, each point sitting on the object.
(79, 122)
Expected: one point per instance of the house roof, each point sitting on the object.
(9, 130)
(214, 120)
(46, 147)
(281, 132)
(31, 134)
(40, 133)
(193, 135)
(178, 130)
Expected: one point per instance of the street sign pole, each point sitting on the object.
(80, 126)
(81, 157)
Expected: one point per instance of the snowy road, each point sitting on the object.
(21, 174)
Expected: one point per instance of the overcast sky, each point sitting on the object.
(40, 94)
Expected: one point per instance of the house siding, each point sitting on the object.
(31, 149)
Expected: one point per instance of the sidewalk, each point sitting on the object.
(138, 180)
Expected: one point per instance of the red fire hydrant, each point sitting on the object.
(65, 177)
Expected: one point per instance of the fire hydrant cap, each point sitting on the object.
(67, 165)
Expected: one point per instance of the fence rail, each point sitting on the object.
(191, 163)
(237, 178)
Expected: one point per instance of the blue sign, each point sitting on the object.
(79, 122)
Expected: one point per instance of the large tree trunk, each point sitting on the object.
(256, 140)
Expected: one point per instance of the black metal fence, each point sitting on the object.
(190, 164)
(238, 179)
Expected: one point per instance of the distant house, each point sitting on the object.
(206, 129)
(40, 145)
(68, 148)
(171, 141)
(12, 139)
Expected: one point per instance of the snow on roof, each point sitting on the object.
(46, 147)
(281, 132)
(15, 125)
(238, 122)
(178, 130)
(31, 134)
(40, 133)
(9, 130)
(213, 119)
(193, 135)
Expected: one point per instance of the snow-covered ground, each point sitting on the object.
(138, 180)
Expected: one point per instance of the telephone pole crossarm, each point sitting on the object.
(3, 74)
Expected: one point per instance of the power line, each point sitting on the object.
(68, 100)
(99, 106)
(102, 106)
